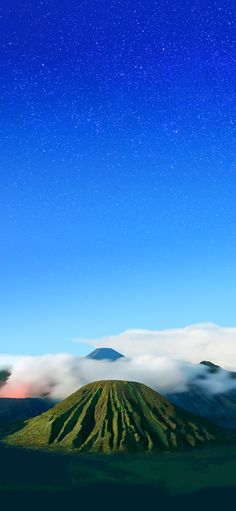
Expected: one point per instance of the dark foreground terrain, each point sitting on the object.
(204, 478)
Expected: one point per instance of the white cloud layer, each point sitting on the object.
(164, 360)
(193, 343)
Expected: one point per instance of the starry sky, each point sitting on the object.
(117, 168)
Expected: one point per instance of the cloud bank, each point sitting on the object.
(192, 343)
(167, 361)
(59, 375)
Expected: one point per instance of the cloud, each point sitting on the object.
(166, 360)
(61, 374)
(192, 343)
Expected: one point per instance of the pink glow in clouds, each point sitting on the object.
(19, 391)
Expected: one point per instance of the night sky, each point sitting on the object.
(117, 168)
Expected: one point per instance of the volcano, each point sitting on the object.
(113, 416)
(105, 354)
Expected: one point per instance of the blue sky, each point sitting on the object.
(117, 169)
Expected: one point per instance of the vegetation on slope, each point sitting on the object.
(111, 416)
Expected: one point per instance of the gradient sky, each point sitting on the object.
(117, 168)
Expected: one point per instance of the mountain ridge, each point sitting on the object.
(12, 409)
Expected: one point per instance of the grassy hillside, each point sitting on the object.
(112, 416)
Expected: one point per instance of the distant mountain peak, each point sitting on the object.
(105, 354)
(212, 367)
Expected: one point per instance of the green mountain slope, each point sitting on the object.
(110, 416)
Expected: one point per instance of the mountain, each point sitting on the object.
(111, 416)
(219, 407)
(12, 409)
(213, 368)
(105, 354)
